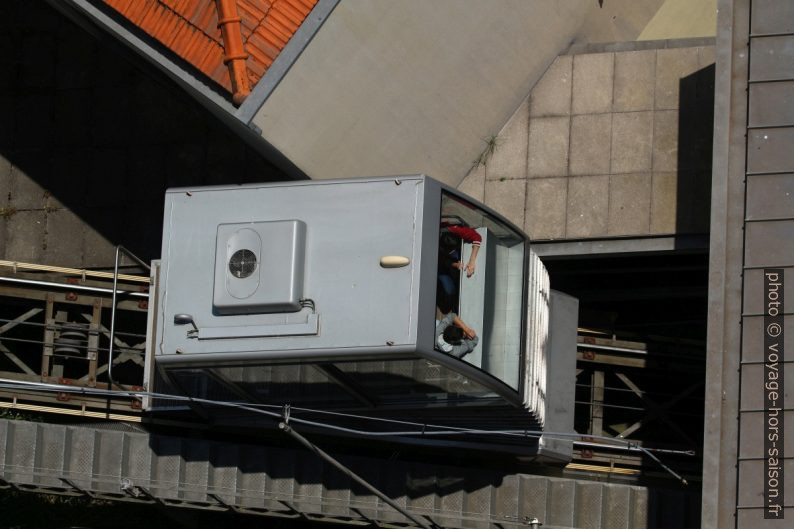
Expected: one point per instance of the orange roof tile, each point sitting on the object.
(190, 29)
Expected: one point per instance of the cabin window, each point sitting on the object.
(480, 288)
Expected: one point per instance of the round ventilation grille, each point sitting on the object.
(242, 264)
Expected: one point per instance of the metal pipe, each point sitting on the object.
(17, 265)
(633, 448)
(234, 55)
(4, 338)
(349, 473)
(36, 324)
(119, 250)
(78, 288)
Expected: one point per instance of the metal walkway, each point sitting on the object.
(293, 483)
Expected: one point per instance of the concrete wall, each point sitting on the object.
(412, 86)
(89, 141)
(609, 144)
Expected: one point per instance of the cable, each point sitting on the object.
(436, 431)
(87, 329)
(78, 346)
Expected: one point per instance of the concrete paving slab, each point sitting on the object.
(548, 146)
(632, 134)
(545, 211)
(769, 150)
(770, 196)
(72, 116)
(5, 181)
(592, 83)
(772, 16)
(509, 159)
(751, 437)
(634, 80)
(551, 96)
(34, 125)
(146, 174)
(37, 61)
(771, 58)
(591, 137)
(664, 187)
(507, 197)
(760, 253)
(665, 140)
(63, 241)
(588, 201)
(474, 183)
(8, 123)
(629, 204)
(97, 250)
(7, 63)
(25, 236)
(105, 185)
(671, 66)
(69, 170)
(183, 162)
(25, 191)
(75, 58)
(755, 304)
(707, 55)
(771, 104)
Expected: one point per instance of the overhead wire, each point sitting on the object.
(436, 430)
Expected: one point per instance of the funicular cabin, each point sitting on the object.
(333, 296)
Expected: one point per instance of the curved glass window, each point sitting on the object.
(412, 380)
(480, 289)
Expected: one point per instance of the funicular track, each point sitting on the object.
(55, 328)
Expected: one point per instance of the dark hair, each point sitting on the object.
(453, 335)
(448, 241)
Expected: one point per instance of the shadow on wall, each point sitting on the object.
(695, 138)
(90, 138)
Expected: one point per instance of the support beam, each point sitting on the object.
(597, 403)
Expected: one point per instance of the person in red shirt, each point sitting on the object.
(466, 234)
(450, 262)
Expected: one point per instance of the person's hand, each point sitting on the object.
(458, 265)
(469, 333)
(470, 269)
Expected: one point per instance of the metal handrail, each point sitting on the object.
(19, 265)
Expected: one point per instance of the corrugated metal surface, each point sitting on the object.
(286, 482)
(537, 336)
(768, 243)
(190, 29)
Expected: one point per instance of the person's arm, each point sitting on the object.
(470, 266)
(468, 332)
(466, 234)
(471, 236)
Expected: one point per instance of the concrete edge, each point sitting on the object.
(638, 45)
(726, 252)
(284, 61)
(625, 245)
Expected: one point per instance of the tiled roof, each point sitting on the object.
(189, 28)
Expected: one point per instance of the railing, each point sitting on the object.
(55, 327)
